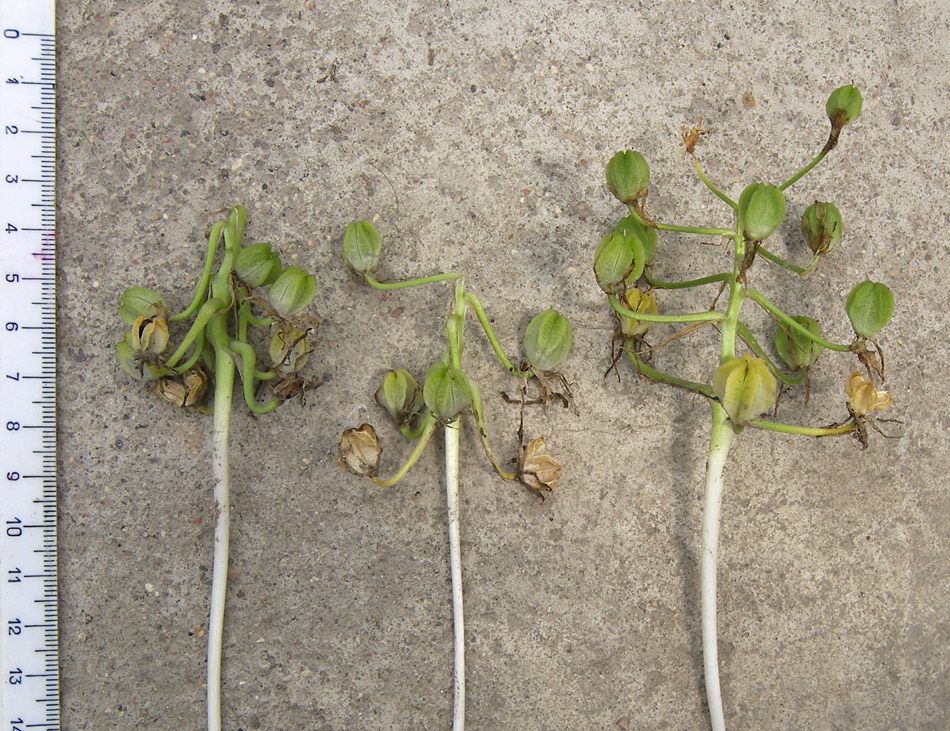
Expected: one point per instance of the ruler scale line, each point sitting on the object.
(28, 497)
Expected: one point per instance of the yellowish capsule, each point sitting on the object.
(863, 397)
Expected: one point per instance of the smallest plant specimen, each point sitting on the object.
(446, 394)
(216, 345)
(743, 386)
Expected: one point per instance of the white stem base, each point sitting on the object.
(720, 439)
(455, 564)
(219, 569)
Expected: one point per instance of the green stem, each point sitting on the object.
(483, 433)
(202, 287)
(455, 324)
(775, 259)
(195, 354)
(730, 326)
(428, 430)
(681, 229)
(412, 434)
(245, 318)
(711, 279)
(490, 334)
(718, 193)
(208, 310)
(808, 431)
(798, 176)
(754, 346)
(721, 434)
(249, 376)
(234, 231)
(710, 316)
(410, 282)
(811, 265)
(654, 375)
(452, 329)
(791, 323)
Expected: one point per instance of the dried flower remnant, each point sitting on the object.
(863, 397)
(538, 470)
(359, 451)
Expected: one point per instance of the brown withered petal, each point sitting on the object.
(359, 451)
(538, 470)
(863, 397)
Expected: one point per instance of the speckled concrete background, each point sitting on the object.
(477, 133)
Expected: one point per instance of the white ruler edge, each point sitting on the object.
(29, 644)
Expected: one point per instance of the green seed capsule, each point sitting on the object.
(446, 391)
(618, 262)
(289, 350)
(400, 395)
(870, 307)
(547, 340)
(745, 387)
(843, 106)
(797, 351)
(761, 210)
(292, 291)
(628, 176)
(361, 247)
(137, 301)
(256, 265)
(646, 234)
(821, 227)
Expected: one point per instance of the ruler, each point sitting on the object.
(29, 646)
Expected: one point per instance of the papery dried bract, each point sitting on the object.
(150, 334)
(188, 390)
(359, 451)
(538, 470)
(863, 397)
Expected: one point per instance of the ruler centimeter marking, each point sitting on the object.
(29, 619)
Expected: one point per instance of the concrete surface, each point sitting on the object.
(477, 133)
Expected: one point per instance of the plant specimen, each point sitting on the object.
(446, 394)
(742, 387)
(217, 343)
